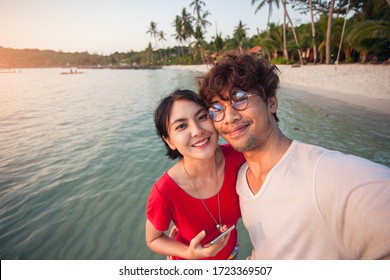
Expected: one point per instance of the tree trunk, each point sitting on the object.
(342, 34)
(329, 33)
(293, 31)
(202, 54)
(285, 53)
(313, 32)
(363, 56)
(269, 16)
(347, 51)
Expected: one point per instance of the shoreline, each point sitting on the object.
(361, 85)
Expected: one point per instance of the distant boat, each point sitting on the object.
(7, 71)
(72, 71)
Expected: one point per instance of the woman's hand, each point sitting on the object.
(174, 231)
(163, 244)
(197, 251)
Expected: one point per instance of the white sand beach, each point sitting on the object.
(361, 85)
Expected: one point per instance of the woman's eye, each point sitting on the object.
(181, 126)
(204, 116)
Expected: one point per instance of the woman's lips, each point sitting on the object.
(201, 143)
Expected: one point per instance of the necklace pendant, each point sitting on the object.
(218, 226)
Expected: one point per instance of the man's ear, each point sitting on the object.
(272, 104)
(169, 142)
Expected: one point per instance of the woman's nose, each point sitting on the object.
(196, 130)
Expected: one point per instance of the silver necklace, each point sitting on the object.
(217, 225)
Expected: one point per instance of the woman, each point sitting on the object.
(198, 193)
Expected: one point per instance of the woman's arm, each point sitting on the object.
(160, 243)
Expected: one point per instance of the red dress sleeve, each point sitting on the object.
(157, 209)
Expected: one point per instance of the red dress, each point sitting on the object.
(168, 202)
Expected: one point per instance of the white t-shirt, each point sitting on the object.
(318, 204)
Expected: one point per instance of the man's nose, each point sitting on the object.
(230, 114)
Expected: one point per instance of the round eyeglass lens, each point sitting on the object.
(239, 100)
(216, 112)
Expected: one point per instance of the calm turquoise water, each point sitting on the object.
(78, 155)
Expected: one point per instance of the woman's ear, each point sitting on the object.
(272, 104)
(169, 142)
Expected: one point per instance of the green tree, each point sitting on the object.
(219, 44)
(187, 28)
(284, 2)
(200, 15)
(239, 35)
(270, 41)
(152, 31)
(309, 6)
(179, 36)
(149, 54)
(368, 36)
(201, 23)
(161, 37)
(199, 42)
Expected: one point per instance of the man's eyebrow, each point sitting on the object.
(217, 99)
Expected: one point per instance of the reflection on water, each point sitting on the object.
(78, 155)
(335, 125)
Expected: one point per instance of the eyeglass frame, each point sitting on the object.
(230, 101)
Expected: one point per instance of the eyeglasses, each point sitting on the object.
(239, 101)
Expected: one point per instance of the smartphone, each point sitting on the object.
(222, 235)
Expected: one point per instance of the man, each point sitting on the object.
(298, 201)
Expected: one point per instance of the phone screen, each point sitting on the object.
(222, 235)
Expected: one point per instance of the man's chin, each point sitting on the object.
(239, 147)
(244, 146)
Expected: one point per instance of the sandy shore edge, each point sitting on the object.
(366, 86)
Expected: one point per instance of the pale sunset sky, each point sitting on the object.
(107, 26)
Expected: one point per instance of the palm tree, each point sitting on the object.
(201, 23)
(219, 43)
(321, 36)
(152, 31)
(178, 25)
(239, 35)
(161, 37)
(149, 54)
(275, 34)
(199, 43)
(187, 29)
(262, 4)
(200, 16)
(271, 41)
(366, 35)
(286, 15)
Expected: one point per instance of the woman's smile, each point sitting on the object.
(201, 143)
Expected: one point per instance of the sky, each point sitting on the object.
(107, 26)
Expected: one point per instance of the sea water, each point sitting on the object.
(79, 153)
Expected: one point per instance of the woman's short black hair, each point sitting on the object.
(163, 110)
